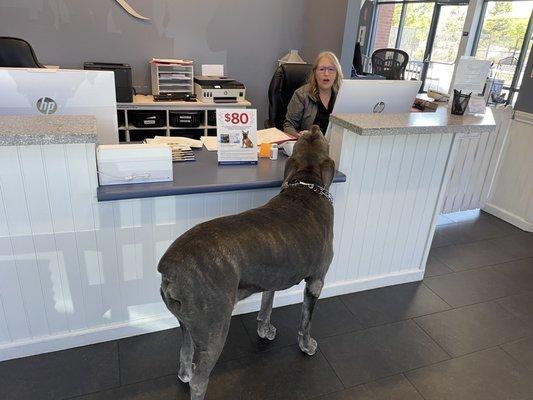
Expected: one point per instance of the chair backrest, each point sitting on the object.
(287, 78)
(15, 52)
(390, 63)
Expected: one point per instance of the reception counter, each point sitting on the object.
(76, 270)
(397, 168)
(205, 176)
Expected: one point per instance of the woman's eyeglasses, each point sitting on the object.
(323, 70)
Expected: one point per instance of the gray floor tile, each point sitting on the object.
(511, 229)
(164, 388)
(61, 374)
(378, 352)
(520, 305)
(393, 388)
(465, 216)
(442, 219)
(440, 238)
(462, 257)
(486, 375)
(149, 356)
(473, 231)
(278, 374)
(464, 288)
(519, 245)
(157, 354)
(435, 267)
(519, 271)
(331, 317)
(522, 351)
(458, 331)
(393, 303)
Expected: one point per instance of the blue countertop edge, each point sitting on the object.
(136, 190)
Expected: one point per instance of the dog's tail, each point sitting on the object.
(172, 288)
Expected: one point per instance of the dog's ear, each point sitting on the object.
(327, 172)
(291, 166)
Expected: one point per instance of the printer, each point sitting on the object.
(218, 89)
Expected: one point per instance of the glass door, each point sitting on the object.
(414, 33)
(442, 46)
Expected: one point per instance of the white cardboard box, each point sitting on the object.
(134, 163)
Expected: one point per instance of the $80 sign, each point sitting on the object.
(236, 118)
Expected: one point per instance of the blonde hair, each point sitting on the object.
(313, 85)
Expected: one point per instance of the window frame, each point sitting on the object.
(512, 88)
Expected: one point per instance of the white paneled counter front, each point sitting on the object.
(397, 167)
(75, 271)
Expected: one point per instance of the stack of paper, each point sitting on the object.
(176, 140)
(181, 154)
(272, 135)
(170, 61)
(210, 142)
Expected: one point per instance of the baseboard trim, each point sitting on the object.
(24, 348)
(508, 217)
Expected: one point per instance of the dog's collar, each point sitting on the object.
(315, 188)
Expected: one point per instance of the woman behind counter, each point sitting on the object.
(312, 103)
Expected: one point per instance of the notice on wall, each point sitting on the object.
(212, 70)
(237, 136)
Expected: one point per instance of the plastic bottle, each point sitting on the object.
(274, 151)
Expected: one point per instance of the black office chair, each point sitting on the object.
(18, 53)
(287, 78)
(390, 63)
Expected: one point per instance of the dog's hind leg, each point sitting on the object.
(187, 347)
(186, 354)
(209, 337)
(313, 287)
(265, 329)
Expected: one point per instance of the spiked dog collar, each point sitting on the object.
(315, 188)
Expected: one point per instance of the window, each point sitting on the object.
(387, 25)
(504, 38)
(429, 31)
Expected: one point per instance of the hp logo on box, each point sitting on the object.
(46, 105)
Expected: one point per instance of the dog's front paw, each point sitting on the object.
(308, 346)
(266, 330)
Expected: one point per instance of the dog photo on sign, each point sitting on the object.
(246, 142)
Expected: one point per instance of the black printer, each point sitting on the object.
(218, 89)
(123, 81)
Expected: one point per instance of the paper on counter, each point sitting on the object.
(471, 75)
(213, 69)
(210, 142)
(272, 135)
(176, 140)
(170, 61)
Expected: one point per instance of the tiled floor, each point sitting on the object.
(465, 332)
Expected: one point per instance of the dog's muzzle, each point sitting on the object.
(315, 188)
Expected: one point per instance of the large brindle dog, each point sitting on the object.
(209, 268)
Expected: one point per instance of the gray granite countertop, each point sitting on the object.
(440, 121)
(47, 129)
